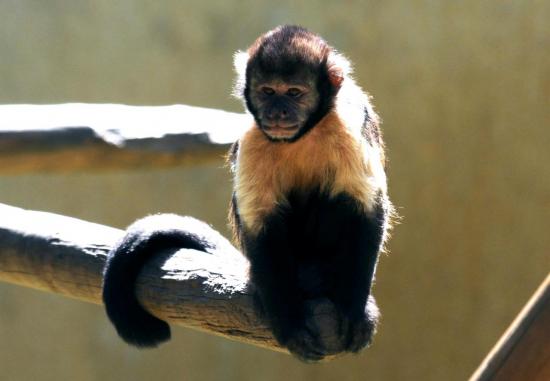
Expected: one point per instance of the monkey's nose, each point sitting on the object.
(277, 114)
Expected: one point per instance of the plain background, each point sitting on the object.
(463, 89)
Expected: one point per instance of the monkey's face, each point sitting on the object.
(282, 107)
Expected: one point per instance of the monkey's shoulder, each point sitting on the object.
(333, 145)
(331, 157)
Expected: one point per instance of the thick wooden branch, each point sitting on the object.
(75, 137)
(190, 288)
(523, 352)
(186, 287)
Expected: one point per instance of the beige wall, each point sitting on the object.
(463, 88)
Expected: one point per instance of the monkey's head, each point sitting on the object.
(289, 79)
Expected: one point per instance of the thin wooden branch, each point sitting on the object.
(76, 137)
(186, 287)
(523, 352)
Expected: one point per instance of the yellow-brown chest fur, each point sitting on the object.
(330, 157)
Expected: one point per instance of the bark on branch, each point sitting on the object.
(78, 137)
(190, 288)
(185, 287)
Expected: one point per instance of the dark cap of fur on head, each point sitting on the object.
(286, 49)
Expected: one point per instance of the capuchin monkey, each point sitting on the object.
(309, 210)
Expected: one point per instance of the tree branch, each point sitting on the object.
(77, 137)
(185, 287)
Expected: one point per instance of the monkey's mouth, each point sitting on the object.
(281, 130)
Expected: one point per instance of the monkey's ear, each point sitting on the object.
(335, 76)
(240, 61)
(338, 68)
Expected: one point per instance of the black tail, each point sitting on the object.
(144, 239)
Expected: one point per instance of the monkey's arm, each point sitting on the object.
(359, 237)
(273, 272)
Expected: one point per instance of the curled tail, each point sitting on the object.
(143, 239)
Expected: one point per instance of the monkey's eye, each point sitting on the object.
(268, 90)
(294, 92)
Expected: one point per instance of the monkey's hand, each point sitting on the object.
(326, 332)
(359, 331)
(320, 336)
